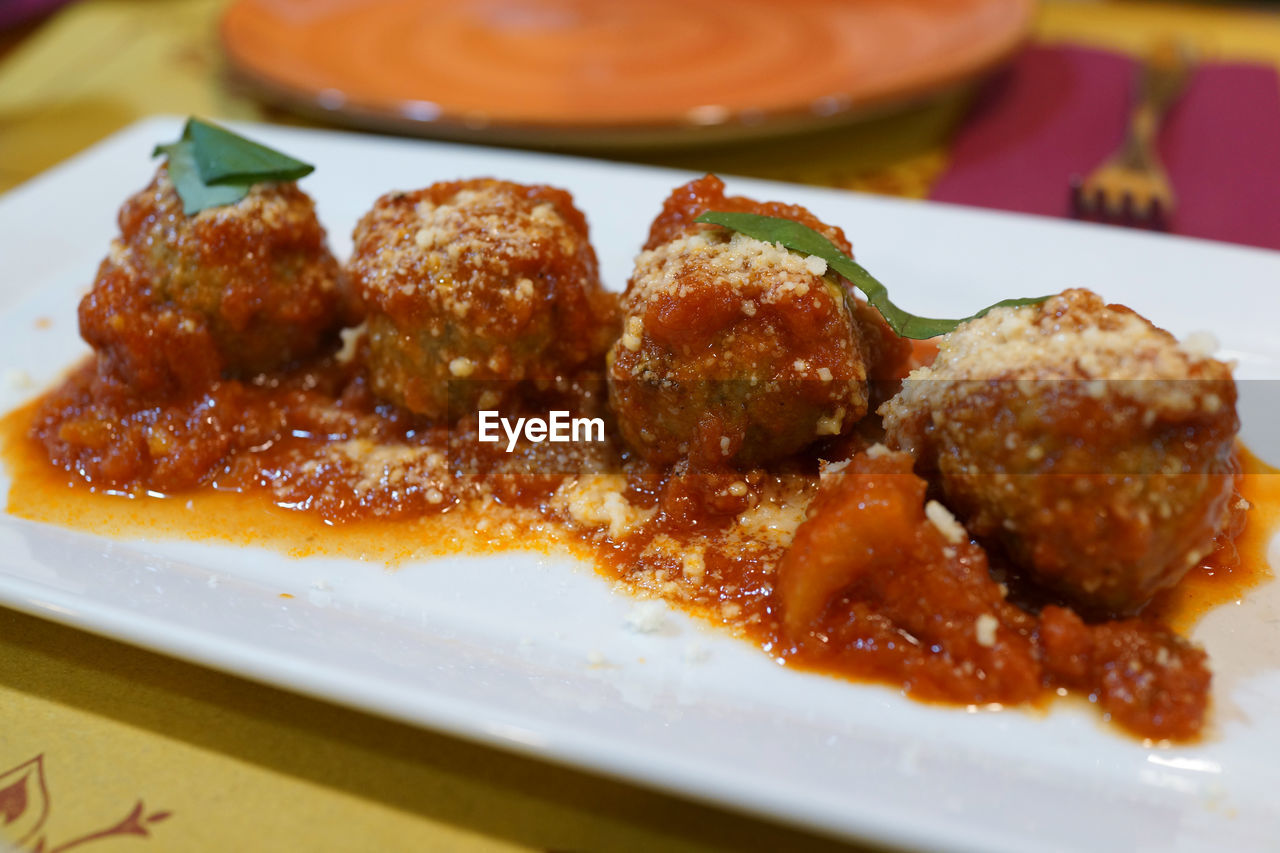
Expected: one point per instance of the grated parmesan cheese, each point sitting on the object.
(17, 379)
(774, 519)
(647, 617)
(694, 564)
(631, 339)
(830, 425)
(597, 500)
(350, 343)
(451, 252)
(941, 518)
(1200, 345)
(985, 630)
(765, 272)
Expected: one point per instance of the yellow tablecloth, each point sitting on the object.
(172, 756)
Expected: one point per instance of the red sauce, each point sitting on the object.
(263, 495)
(1238, 564)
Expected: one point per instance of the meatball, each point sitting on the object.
(486, 281)
(231, 291)
(1086, 441)
(735, 350)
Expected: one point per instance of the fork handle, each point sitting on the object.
(1161, 80)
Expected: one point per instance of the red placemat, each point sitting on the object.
(15, 12)
(1059, 111)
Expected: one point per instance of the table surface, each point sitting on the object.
(220, 763)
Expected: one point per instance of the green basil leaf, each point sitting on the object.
(800, 238)
(210, 166)
(224, 157)
(196, 195)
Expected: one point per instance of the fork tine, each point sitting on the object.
(1077, 197)
(1129, 210)
(1158, 216)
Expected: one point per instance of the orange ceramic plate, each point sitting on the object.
(613, 71)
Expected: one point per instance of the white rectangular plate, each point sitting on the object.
(506, 650)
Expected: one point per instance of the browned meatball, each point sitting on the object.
(733, 349)
(1087, 441)
(473, 285)
(230, 291)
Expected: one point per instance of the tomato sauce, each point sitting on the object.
(312, 463)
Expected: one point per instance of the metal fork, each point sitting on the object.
(1131, 187)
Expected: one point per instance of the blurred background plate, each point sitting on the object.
(605, 72)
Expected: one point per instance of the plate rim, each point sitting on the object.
(405, 117)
